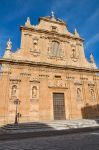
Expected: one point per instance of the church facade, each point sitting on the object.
(48, 78)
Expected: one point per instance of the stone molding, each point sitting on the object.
(43, 64)
(50, 33)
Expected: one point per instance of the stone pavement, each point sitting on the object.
(79, 141)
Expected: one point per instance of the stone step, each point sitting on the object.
(53, 125)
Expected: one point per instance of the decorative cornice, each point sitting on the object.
(52, 21)
(15, 79)
(50, 32)
(46, 65)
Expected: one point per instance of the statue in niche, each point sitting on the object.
(74, 55)
(34, 92)
(35, 44)
(14, 90)
(78, 93)
(92, 93)
(35, 47)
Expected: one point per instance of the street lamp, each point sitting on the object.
(16, 102)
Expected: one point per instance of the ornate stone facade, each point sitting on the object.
(49, 74)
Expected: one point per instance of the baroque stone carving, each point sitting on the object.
(55, 50)
(92, 91)
(9, 45)
(28, 23)
(77, 82)
(91, 58)
(34, 92)
(79, 94)
(14, 81)
(35, 51)
(75, 54)
(57, 84)
(78, 87)
(14, 88)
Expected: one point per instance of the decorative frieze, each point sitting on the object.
(15, 80)
(70, 78)
(77, 83)
(25, 74)
(57, 84)
(84, 78)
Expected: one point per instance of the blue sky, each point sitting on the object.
(80, 14)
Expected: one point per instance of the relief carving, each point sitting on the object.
(57, 84)
(55, 50)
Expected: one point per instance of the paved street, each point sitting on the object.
(81, 141)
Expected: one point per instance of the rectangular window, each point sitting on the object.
(54, 28)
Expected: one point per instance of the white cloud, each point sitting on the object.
(93, 40)
(90, 21)
(93, 17)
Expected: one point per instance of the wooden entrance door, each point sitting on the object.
(59, 106)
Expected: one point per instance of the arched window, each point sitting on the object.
(56, 49)
(34, 91)
(14, 90)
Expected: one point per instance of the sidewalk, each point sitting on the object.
(40, 129)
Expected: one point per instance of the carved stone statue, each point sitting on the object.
(91, 58)
(76, 33)
(9, 44)
(78, 93)
(28, 23)
(92, 93)
(14, 90)
(34, 92)
(35, 44)
(75, 54)
(36, 50)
